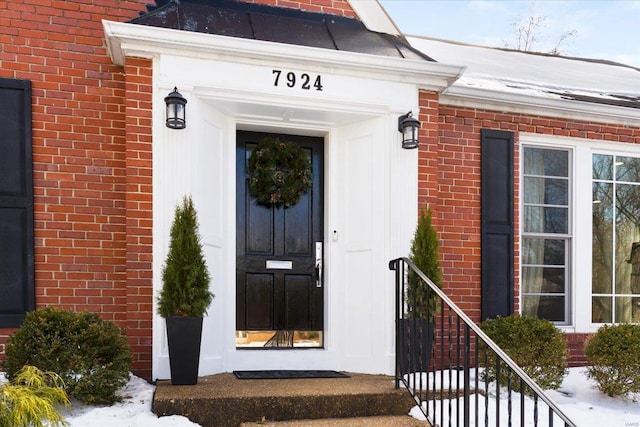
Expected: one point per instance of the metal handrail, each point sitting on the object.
(501, 355)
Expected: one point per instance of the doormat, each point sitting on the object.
(287, 374)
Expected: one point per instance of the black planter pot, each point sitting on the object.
(415, 344)
(184, 336)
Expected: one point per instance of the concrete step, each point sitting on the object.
(380, 421)
(224, 401)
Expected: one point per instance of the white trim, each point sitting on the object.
(374, 16)
(507, 102)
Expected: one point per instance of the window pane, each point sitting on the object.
(547, 307)
(544, 161)
(539, 219)
(601, 310)
(627, 234)
(602, 239)
(627, 169)
(543, 251)
(550, 280)
(547, 191)
(627, 309)
(602, 167)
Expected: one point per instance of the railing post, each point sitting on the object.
(393, 265)
(467, 372)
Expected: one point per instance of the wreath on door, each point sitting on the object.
(279, 172)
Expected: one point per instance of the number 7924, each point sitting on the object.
(291, 79)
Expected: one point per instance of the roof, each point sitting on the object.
(537, 75)
(275, 24)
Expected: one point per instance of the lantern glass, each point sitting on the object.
(408, 126)
(176, 116)
(409, 137)
(176, 106)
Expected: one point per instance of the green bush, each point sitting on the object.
(185, 277)
(31, 398)
(613, 359)
(424, 255)
(89, 353)
(535, 344)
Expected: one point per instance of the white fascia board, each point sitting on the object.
(485, 99)
(141, 41)
(374, 16)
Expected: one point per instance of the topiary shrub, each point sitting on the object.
(89, 353)
(30, 399)
(185, 277)
(614, 364)
(424, 255)
(535, 344)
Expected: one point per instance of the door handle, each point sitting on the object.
(318, 265)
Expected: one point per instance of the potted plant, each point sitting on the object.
(418, 325)
(184, 297)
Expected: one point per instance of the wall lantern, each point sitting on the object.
(175, 110)
(408, 126)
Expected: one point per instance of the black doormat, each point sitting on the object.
(286, 374)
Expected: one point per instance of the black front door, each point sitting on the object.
(279, 288)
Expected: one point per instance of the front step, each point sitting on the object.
(224, 401)
(380, 421)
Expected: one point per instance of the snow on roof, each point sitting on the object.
(537, 75)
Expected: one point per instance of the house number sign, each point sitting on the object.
(301, 80)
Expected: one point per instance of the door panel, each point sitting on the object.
(276, 285)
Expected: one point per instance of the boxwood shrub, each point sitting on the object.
(613, 355)
(88, 353)
(535, 344)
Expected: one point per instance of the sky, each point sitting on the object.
(608, 30)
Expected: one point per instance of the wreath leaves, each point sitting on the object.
(279, 173)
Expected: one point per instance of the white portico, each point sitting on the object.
(350, 100)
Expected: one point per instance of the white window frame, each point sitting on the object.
(581, 152)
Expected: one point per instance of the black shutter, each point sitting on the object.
(497, 222)
(16, 203)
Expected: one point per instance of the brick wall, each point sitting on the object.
(334, 7)
(458, 192)
(139, 213)
(81, 155)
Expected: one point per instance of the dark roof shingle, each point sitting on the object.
(276, 24)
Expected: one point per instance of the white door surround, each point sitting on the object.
(370, 181)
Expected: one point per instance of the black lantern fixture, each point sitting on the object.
(408, 126)
(175, 110)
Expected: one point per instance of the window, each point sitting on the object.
(580, 231)
(615, 278)
(546, 236)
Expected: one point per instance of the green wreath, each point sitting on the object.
(279, 173)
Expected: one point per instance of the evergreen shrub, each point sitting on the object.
(535, 344)
(185, 277)
(424, 255)
(30, 399)
(88, 353)
(614, 363)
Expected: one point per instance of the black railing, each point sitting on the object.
(455, 373)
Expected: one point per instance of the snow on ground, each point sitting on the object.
(577, 397)
(133, 411)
